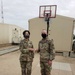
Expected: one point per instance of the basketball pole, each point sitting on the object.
(47, 19)
(47, 27)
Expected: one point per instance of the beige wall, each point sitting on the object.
(61, 31)
(35, 27)
(6, 33)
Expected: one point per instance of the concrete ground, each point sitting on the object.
(9, 65)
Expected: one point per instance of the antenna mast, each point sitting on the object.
(2, 16)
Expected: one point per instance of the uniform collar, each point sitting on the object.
(26, 40)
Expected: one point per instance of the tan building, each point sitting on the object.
(10, 33)
(61, 31)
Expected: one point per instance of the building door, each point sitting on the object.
(15, 36)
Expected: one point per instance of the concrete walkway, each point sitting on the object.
(10, 65)
(9, 49)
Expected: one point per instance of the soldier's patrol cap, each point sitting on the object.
(26, 31)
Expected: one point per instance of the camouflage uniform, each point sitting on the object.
(26, 57)
(46, 49)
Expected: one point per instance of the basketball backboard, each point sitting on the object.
(49, 10)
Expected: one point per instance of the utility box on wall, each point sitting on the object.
(61, 31)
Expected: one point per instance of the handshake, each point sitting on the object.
(32, 49)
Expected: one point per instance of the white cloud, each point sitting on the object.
(20, 11)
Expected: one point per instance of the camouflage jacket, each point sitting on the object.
(46, 49)
(26, 55)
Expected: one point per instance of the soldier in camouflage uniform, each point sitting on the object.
(47, 54)
(27, 54)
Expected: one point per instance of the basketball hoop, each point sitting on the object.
(47, 9)
(47, 12)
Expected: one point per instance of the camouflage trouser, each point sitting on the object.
(26, 67)
(45, 68)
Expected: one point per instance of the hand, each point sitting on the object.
(36, 50)
(31, 49)
(50, 62)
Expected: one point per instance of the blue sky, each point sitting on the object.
(18, 12)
